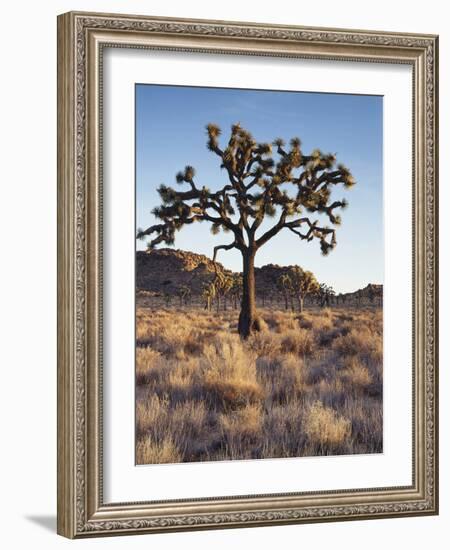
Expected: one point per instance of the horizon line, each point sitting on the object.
(146, 251)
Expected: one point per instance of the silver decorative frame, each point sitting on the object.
(81, 510)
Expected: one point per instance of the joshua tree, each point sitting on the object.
(208, 293)
(223, 283)
(183, 293)
(259, 186)
(284, 285)
(236, 289)
(325, 294)
(302, 284)
(263, 295)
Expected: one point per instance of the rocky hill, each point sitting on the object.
(267, 276)
(372, 294)
(163, 271)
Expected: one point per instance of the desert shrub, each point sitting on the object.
(298, 342)
(230, 374)
(261, 325)
(343, 317)
(327, 312)
(305, 320)
(152, 412)
(264, 344)
(243, 423)
(322, 323)
(367, 426)
(181, 380)
(325, 337)
(355, 374)
(287, 322)
(146, 360)
(332, 393)
(283, 377)
(149, 451)
(179, 337)
(319, 370)
(187, 421)
(325, 427)
(360, 341)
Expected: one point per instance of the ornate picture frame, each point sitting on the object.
(82, 38)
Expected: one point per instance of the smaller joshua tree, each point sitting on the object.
(183, 293)
(223, 283)
(208, 294)
(236, 289)
(303, 283)
(325, 294)
(284, 285)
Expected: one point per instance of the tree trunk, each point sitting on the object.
(300, 304)
(247, 317)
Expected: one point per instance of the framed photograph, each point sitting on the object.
(247, 276)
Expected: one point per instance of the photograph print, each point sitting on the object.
(259, 274)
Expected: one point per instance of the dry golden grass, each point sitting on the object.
(325, 427)
(158, 452)
(308, 384)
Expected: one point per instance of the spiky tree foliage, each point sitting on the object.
(223, 283)
(284, 285)
(303, 283)
(325, 294)
(236, 289)
(208, 294)
(264, 181)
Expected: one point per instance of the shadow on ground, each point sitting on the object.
(46, 522)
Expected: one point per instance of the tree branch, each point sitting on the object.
(250, 166)
(273, 231)
(234, 244)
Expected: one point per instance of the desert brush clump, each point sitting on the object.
(230, 374)
(158, 452)
(325, 427)
(307, 384)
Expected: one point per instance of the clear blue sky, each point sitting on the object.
(170, 133)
